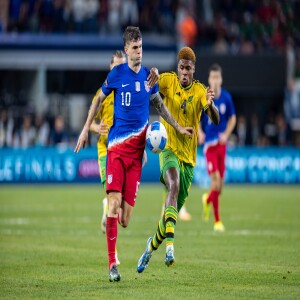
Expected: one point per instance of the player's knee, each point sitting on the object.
(114, 206)
(174, 188)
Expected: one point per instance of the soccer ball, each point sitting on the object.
(156, 137)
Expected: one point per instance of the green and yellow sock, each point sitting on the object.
(171, 215)
(160, 234)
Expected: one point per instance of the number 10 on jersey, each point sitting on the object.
(126, 99)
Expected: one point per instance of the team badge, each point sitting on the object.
(137, 86)
(105, 82)
(222, 108)
(109, 179)
(147, 88)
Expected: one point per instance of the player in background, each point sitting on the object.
(101, 123)
(185, 98)
(126, 139)
(215, 138)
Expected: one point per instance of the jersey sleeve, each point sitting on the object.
(202, 95)
(164, 83)
(110, 82)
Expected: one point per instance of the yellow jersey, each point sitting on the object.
(106, 114)
(185, 105)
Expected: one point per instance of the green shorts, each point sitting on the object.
(167, 160)
(102, 169)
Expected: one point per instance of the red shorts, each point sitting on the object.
(123, 175)
(215, 159)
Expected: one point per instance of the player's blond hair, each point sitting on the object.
(186, 53)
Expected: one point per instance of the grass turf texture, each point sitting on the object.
(51, 246)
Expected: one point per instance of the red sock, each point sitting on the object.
(214, 198)
(111, 239)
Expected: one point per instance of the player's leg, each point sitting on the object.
(114, 184)
(167, 160)
(102, 171)
(218, 226)
(184, 215)
(212, 169)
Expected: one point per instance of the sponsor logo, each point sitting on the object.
(123, 85)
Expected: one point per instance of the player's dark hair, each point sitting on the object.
(118, 54)
(131, 34)
(215, 67)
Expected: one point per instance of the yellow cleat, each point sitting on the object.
(219, 227)
(206, 207)
(184, 215)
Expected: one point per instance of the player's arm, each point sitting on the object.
(229, 128)
(165, 113)
(212, 111)
(100, 128)
(201, 135)
(95, 106)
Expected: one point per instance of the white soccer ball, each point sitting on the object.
(156, 137)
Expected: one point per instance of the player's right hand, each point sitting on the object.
(103, 128)
(189, 131)
(82, 140)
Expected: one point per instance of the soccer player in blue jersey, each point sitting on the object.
(126, 139)
(215, 138)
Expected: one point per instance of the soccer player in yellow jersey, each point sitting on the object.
(102, 122)
(185, 98)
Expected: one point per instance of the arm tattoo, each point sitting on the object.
(164, 112)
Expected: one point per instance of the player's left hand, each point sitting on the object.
(145, 159)
(153, 77)
(82, 140)
(189, 131)
(210, 95)
(223, 138)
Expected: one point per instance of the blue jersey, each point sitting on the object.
(226, 110)
(131, 109)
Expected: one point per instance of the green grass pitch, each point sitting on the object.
(51, 246)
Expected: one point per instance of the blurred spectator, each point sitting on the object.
(6, 129)
(292, 96)
(43, 130)
(114, 16)
(270, 129)
(59, 135)
(254, 129)
(4, 5)
(129, 13)
(282, 131)
(241, 129)
(27, 132)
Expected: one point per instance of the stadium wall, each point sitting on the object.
(62, 165)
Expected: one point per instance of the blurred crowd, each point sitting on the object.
(32, 130)
(229, 26)
(37, 130)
